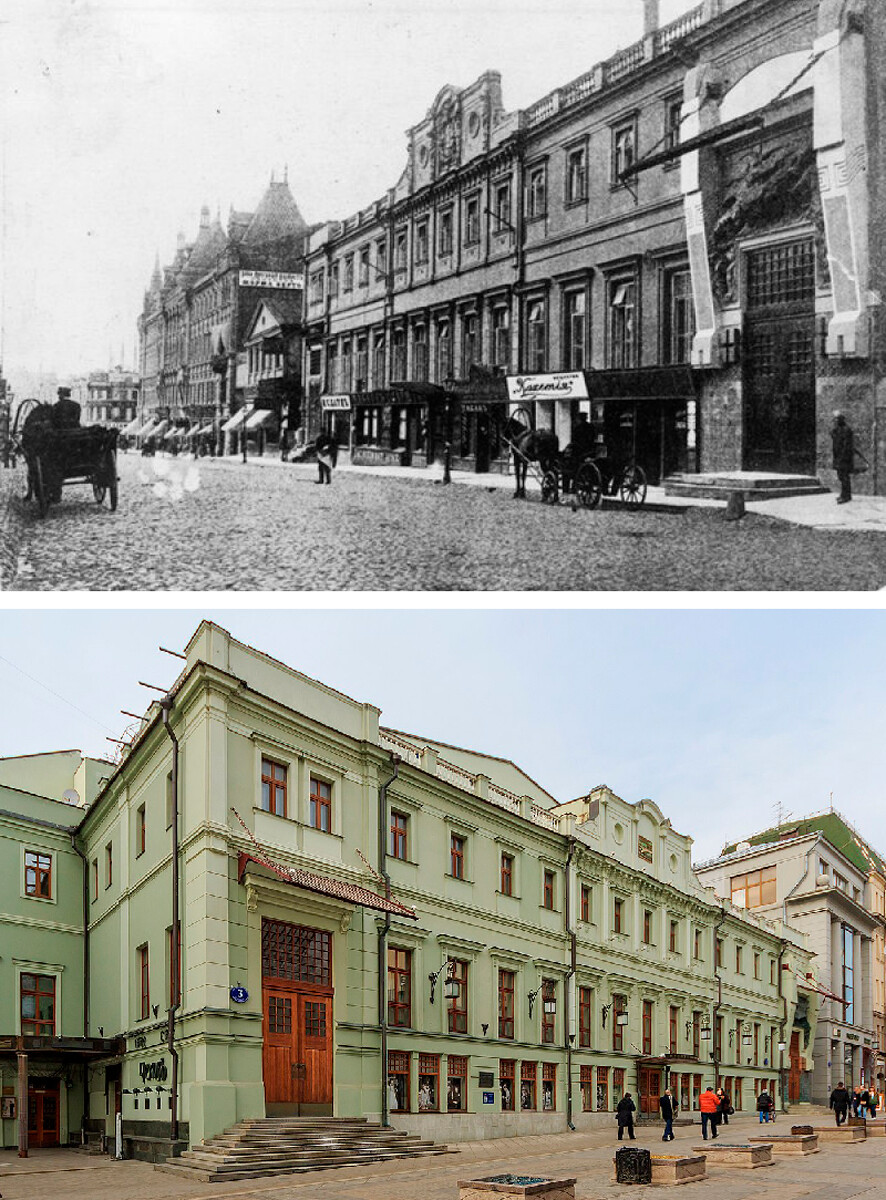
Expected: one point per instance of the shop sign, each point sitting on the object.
(154, 1071)
(272, 279)
(567, 385)
(335, 403)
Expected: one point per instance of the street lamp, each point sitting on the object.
(450, 985)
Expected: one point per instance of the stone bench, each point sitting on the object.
(840, 1133)
(736, 1154)
(516, 1185)
(670, 1170)
(873, 1126)
(790, 1143)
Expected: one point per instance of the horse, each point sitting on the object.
(529, 445)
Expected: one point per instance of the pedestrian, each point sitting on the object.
(839, 1102)
(844, 456)
(864, 1101)
(624, 1114)
(855, 1100)
(327, 454)
(764, 1106)
(284, 440)
(872, 1102)
(725, 1105)
(668, 1108)
(708, 1104)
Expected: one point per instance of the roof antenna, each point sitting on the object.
(832, 801)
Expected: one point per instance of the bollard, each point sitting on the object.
(735, 509)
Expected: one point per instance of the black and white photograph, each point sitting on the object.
(575, 297)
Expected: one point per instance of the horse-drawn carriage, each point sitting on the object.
(59, 454)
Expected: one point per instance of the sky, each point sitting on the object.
(119, 119)
(718, 716)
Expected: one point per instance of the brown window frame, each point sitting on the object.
(275, 786)
(458, 1005)
(617, 906)
(618, 1006)
(548, 890)
(647, 927)
(646, 1027)
(507, 1075)
(548, 1020)
(109, 864)
(456, 1071)
(585, 1016)
(585, 903)
(399, 835)
(320, 805)
(752, 883)
(673, 937)
(38, 871)
(41, 1026)
(586, 1083)
(399, 968)
(141, 824)
(507, 982)
(457, 855)
(673, 1018)
(549, 1076)
(529, 1086)
(507, 875)
(144, 981)
(400, 1067)
(429, 1069)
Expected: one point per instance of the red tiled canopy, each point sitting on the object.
(351, 893)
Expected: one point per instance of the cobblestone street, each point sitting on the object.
(219, 525)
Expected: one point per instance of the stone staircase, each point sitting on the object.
(290, 1145)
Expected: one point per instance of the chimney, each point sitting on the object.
(650, 17)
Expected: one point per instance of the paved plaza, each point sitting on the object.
(221, 525)
(837, 1173)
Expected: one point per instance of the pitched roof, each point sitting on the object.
(276, 217)
(351, 893)
(834, 828)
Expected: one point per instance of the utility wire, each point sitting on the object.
(46, 687)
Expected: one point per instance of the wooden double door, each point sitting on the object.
(297, 1052)
(43, 1114)
(650, 1090)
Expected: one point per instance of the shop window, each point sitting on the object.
(37, 998)
(624, 150)
(696, 1093)
(399, 426)
(273, 787)
(458, 1005)
(506, 1077)
(548, 1087)
(456, 1083)
(507, 875)
(528, 1077)
(586, 1083)
(399, 987)
(38, 874)
(622, 330)
(576, 174)
(585, 1016)
(506, 980)
(429, 1083)
(399, 828)
(575, 326)
(536, 350)
(602, 1089)
(398, 1081)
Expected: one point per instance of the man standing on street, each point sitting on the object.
(844, 454)
(624, 1114)
(666, 1105)
(709, 1105)
(839, 1102)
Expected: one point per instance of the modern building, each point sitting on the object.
(202, 364)
(291, 909)
(681, 243)
(820, 876)
(108, 398)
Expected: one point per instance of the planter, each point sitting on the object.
(737, 1154)
(671, 1170)
(516, 1185)
(840, 1133)
(791, 1143)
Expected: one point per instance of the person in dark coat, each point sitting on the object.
(624, 1114)
(668, 1110)
(764, 1106)
(844, 455)
(327, 455)
(839, 1102)
(65, 411)
(724, 1107)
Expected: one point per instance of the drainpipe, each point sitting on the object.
(567, 916)
(175, 948)
(716, 1007)
(85, 890)
(383, 928)
(784, 1024)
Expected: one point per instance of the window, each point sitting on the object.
(672, 117)
(528, 1074)
(535, 336)
(507, 875)
(575, 329)
(38, 874)
(472, 220)
(618, 1084)
(344, 371)
(169, 800)
(576, 175)
(647, 926)
(846, 946)
(295, 952)
(647, 1027)
(470, 343)
(840, 882)
(429, 1083)
(673, 1018)
(618, 1006)
(334, 271)
(399, 824)
(617, 907)
(398, 1081)
(144, 1008)
(321, 805)
(548, 890)
(506, 981)
(696, 1033)
(502, 206)
(602, 1089)
(421, 242)
(585, 903)
(456, 1083)
(398, 355)
(348, 282)
(718, 954)
(399, 986)
(644, 848)
(444, 351)
(718, 1039)
(673, 937)
(506, 1076)
(175, 949)
(501, 337)
(363, 268)
(738, 960)
(696, 944)
(773, 971)
(361, 363)
(378, 360)
(624, 150)
(401, 241)
(622, 332)
(548, 1019)
(457, 856)
(585, 1011)
(755, 888)
(381, 258)
(109, 864)
(756, 1045)
(140, 830)
(536, 192)
(587, 1088)
(420, 353)
(273, 787)
(679, 317)
(315, 287)
(445, 233)
(458, 1006)
(38, 1005)
(95, 879)
(756, 965)
(548, 1087)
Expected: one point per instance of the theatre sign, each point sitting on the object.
(565, 385)
(272, 279)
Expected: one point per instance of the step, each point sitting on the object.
(307, 1152)
(752, 485)
(216, 1172)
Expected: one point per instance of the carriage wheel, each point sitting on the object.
(98, 490)
(40, 489)
(588, 485)
(550, 488)
(632, 486)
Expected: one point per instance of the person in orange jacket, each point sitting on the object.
(709, 1103)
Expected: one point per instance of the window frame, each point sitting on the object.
(457, 1010)
(472, 219)
(507, 988)
(399, 835)
(40, 871)
(274, 786)
(575, 350)
(141, 830)
(143, 978)
(753, 882)
(457, 855)
(37, 1021)
(399, 969)
(623, 320)
(585, 903)
(318, 804)
(537, 191)
(506, 874)
(548, 881)
(576, 150)
(585, 1017)
(621, 159)
(446, 232)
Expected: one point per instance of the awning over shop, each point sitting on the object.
(259, 418)
(147, 430)
(131, 428)
(174, 433)
(235, 421)
(159, 429)
(642, 383)
(93, 1047)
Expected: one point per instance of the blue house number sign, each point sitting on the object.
(239, 995)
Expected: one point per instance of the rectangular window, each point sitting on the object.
(618, 1006)
(679, 317)
(458, 1005)
(457, 856)
(548, 1019)
(736, 1096)
(421, 242)
(773, 971)
(401, 242)
(399, 987)
(321, 805)
(585, 1011)
(647, 926)
(738, 960)
(548, 1087)
(501, 338)
(295, 952)
(548, 890)
(502, 206)
(109, 864)
(618, 1084)
(144, 1009)
(429, 1083)
(586, 1080)
(506, 980)
(536, 340)
(622, 331)
(602, 1089)
(95, 879)
(361, 364)
(398, 355)
(718, 1039)
(363, 268)
(617, 907)
(585, 902)
(718, 953)
(673, 1018)
(334, 271)
(398, 1081)
(624, 150)
(696, 1093)
(456, 1083)
(140, 830)
(507, 1068)
(315, 287)
(756, 966)
(846, 945)
(381, 259)
(536, 192)
(472, 220)
(576, 329)
(444, 351)
(38, 874)
(348, 281)
(644, 848)
(273, 787)
(672, 117)
(756, 1045)
(470, 343)
(673, 937)
(445, 233)
(507, 875)
(399, 826)
(528, 1075)
(696, 1033)
(647, 1027)
(576, 175)
(38, 1005)
(378, 360)
(754, 889)
(696, 944)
